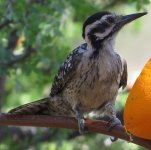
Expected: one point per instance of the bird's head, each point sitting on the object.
(103, 26)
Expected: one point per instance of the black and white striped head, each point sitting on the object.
(103, 26)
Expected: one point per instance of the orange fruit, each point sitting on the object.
(137, 111)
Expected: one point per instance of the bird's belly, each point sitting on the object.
(94, 98)
(91, 95)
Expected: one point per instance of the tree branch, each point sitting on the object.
(29, 50)
(5, 23)
(69, 123)
(12, 39)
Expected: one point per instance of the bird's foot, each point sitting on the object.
(81, 125)
(81, 121)
(113, 122)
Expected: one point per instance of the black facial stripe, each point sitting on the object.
(105, 25)
(96, 43)
(99, 28)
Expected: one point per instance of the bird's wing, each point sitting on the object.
(123, 81)
(67, 70)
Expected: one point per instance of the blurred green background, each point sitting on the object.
(35, 38)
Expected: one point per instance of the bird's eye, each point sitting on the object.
(110, 19)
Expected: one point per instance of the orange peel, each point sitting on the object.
(137, 111)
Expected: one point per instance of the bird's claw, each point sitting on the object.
(81, 121)
(81, 125)
(113, 139)
(113, 122)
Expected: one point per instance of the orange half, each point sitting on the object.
(137, 111)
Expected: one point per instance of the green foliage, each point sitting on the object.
(52, 28)
(139, 4)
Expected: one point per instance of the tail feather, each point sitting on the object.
(45, 106)
(33, 108)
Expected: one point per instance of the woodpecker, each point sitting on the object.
(91, 75)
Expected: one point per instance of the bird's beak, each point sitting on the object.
(128, 18)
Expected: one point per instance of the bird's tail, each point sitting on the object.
(45, 106)
(36, 107)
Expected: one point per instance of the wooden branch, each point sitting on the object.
(17, 59)
(12, 39)
(69, 123)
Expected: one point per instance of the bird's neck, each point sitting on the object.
(104, 46)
